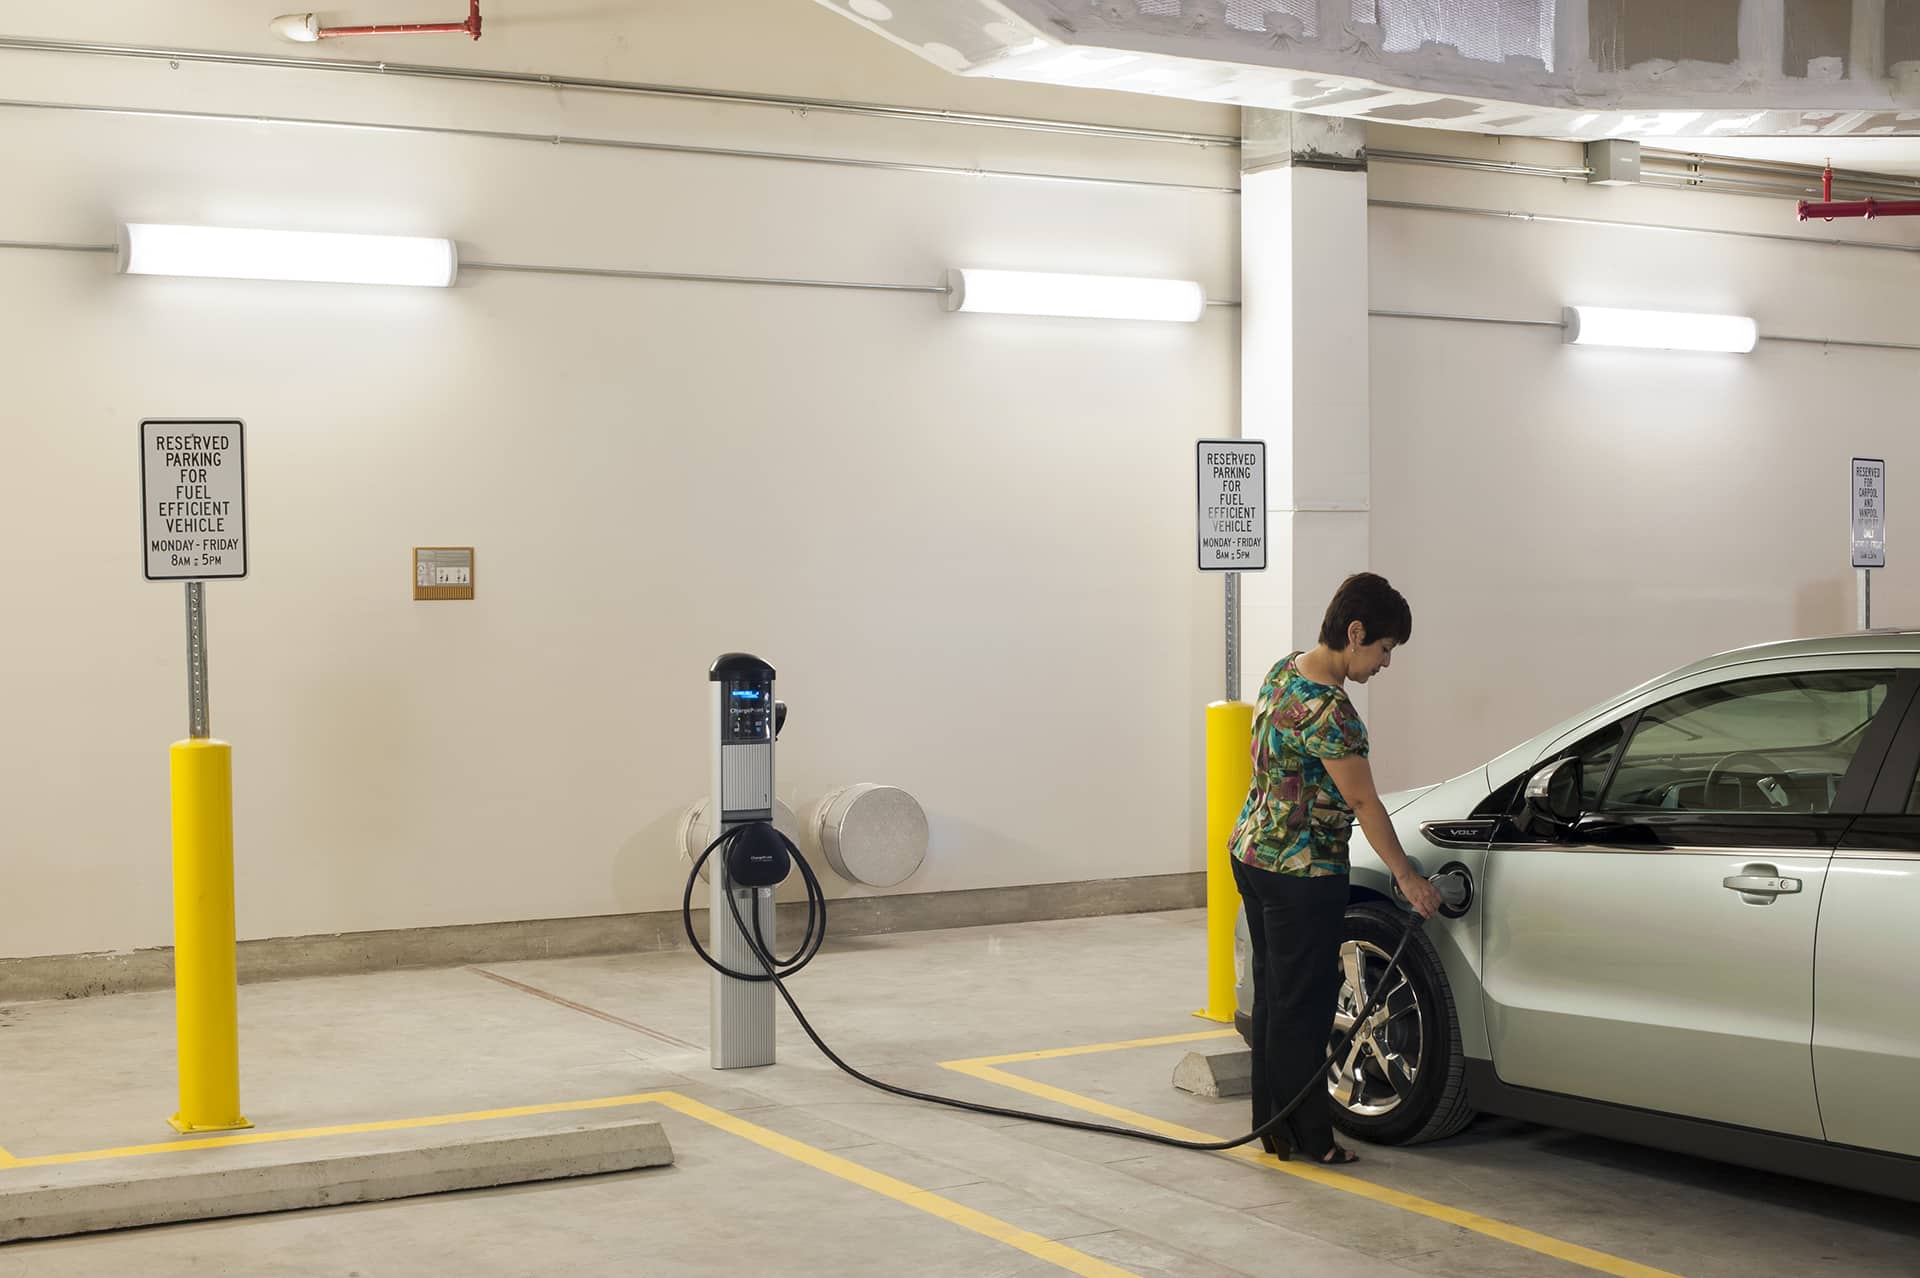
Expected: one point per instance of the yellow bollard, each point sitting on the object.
(205, 982)
(1229, 774)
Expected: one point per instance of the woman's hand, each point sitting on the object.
(1421, 895)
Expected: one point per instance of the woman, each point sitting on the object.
(1310, 782)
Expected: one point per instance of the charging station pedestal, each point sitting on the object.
(745, 726)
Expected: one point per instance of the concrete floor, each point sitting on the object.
(97, 1074)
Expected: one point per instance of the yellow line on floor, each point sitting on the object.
(1033, 1244)
(1076, 1262)
(1054, 1053)
(984, 1068)
(343, 1129)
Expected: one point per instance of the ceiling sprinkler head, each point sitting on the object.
(301, 28)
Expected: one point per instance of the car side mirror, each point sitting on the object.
(1552, 797)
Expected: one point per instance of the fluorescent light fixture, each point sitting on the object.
(1659, 330)
(227, 253)
(1085, 296)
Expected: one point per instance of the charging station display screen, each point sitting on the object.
(749, 717)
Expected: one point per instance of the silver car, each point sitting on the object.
(1691, 919)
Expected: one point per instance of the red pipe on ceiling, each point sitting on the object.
(471, 26)
(1829, 208)
(1810, 209)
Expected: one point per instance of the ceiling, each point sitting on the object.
(1684, 77)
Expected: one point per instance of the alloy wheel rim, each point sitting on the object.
(1377, 1072)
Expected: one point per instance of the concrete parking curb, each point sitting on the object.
(54, 1202)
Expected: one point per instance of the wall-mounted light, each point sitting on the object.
(1659, 330)
(227, 253)
(1084, 296)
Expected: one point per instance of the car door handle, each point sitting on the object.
(1760, 884)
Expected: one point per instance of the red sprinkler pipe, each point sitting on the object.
(1829, 208)
(471, 26)
(1810, 209)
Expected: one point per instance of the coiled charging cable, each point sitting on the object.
(776, 970)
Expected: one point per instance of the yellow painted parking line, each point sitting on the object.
(1065, 1257)
(1053, 1053)
(343, 1129)
(985, 1068)
(1033, 1244)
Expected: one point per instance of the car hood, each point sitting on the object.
(1402, 798)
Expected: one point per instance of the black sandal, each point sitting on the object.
(1338, 1157)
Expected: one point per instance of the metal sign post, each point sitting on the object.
(1867, 486)
(1231, 479)
(194, 503)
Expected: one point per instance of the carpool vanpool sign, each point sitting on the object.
(1869, 512)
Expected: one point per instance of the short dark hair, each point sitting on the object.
(1366, 598)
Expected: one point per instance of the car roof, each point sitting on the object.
(1863, 642)
(1856, 643)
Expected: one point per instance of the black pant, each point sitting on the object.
(1296, 925)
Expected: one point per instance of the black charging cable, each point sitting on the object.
(776, 971)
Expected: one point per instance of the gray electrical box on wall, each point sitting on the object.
(1613, 162)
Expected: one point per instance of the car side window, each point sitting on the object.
(1776, 744)
(1596, 753)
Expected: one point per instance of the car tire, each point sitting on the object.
(1432, 1104)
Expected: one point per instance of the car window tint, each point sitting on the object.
(1778, 744)
(1596, 756)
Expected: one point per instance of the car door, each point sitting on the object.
(1660, 953)
(1866, 989)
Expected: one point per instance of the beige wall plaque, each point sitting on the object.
(443, 572)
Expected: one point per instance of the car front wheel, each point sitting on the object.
(1402, 1079)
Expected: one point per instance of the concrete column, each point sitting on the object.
(1867, 52)
(1572, 39)
(1763, 37)
(1303, 352)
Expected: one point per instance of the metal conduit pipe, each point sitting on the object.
(622, 144)
(1470, 162)
(688, 277)
(615, 272)
(1760, 185)
(926, 115)
(1810, 175)
(1762, 190)
(1555, 219)
(1561, 324)
(872, 287)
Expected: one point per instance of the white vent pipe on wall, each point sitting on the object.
(871, 834)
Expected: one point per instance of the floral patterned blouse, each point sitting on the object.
(1295, 821)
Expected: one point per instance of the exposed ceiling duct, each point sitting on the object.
(1584, 69)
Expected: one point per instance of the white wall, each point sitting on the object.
(1569, 521)
(967, 540)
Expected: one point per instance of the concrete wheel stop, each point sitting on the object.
(1223, 1072)
(57, 1199)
